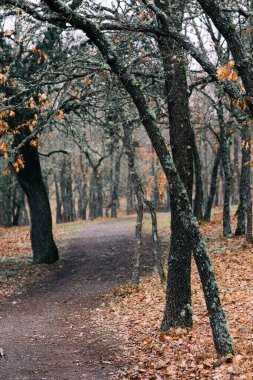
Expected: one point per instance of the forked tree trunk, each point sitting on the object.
(30, 179)
(156, 241)
(136, 182)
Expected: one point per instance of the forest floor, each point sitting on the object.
(49, 329)
(80, 318)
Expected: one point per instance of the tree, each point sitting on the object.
(19, 118)
(189, 224)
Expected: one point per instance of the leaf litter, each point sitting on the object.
(135, 313)
(16, 269)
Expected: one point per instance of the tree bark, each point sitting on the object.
(138, 240)
(227, 168)
(178, 310)
(96, 195)
(30, 179)
(213, 186)
(245, 183)
(115, 189)
(58, 200)
(236, 174)
(130, 204)
(68, 210)
(199, 197)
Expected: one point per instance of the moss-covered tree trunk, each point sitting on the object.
(178, 310)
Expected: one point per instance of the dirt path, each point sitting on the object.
(47, 332)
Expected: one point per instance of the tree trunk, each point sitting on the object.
(227, 168)
(249, 217)
(129, 146)
(96, 195)
(19, 204)
(68, 211)
(156, 240)
(138, 240)
(130, 204)
(178, 310)
(236, 173)
(198, 201)
(213, 186)
(115, 190)
(154, 170)
(30, 179)
(245, 183)
(58, 200)
(81, 181)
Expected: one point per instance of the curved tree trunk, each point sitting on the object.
(30, 179)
